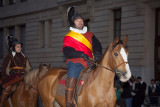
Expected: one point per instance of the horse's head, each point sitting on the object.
(43, 68)
(119, 59)
(31, 78)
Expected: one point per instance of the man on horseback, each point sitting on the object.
(14, 67)
(78, 46)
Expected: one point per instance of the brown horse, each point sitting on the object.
(26, 92)
(98, 89)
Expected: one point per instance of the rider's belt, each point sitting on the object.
(17, 68)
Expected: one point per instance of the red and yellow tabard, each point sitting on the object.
(80, 42)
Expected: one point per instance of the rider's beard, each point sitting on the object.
(80, 28)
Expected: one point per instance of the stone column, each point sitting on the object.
(18, 1)
(5, 46)
(41, 34)
(17, 32)
(111, 26)
(149, 37)
(47, 33)
(6, 2)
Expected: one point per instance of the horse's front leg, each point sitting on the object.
(47, 90)
(84, 100)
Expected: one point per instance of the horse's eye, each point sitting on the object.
(115, 54)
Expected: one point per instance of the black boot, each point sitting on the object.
(69, 92)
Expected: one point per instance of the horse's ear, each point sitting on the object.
(116, 40)
(49, 66)
(40, 67)
(125, 39)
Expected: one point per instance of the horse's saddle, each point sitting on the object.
(81, 80)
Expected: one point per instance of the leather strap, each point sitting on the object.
(71, 89)
(17, 67)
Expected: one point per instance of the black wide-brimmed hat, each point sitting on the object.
(72, 15)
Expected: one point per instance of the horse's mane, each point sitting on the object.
(32, 76)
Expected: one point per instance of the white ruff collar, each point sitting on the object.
(14, 53)
(84, 30)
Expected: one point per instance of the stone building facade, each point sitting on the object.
(41, 26)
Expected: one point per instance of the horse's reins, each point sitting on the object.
(93, 62)
(112, 70)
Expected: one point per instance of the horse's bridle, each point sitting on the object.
(112, 70)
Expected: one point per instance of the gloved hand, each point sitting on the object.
(93, 67)
(97, 56)
(84, 56)
(11, 72)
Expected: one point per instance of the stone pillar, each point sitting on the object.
(41, 34)
(111, 26)
(149, 37)
(47, 33)
(6, 2)
(6, 33)
(63, 14)
(18, 1)
(17, 33)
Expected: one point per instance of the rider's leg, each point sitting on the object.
(69, 92)
(73, 72)
(4, 95)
